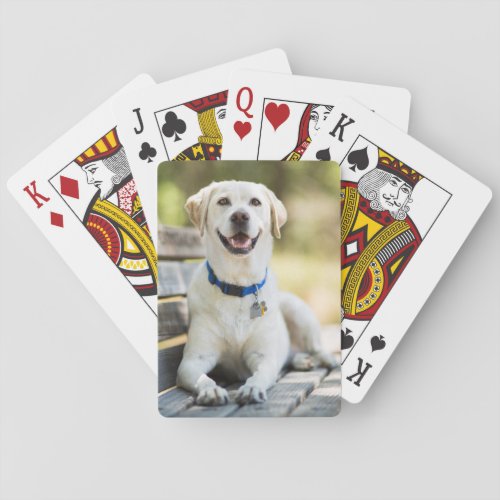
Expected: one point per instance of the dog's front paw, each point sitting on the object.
(212, 396)
(304, 361)
(250, 394)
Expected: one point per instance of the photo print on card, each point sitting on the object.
(256, 268)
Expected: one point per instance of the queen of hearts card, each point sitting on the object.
(310, 123)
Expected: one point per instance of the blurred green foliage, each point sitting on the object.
(306, 259)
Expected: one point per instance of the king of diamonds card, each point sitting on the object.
(99, 189)
(82, 195)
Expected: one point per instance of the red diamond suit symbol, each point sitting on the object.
(69, 187)
(56, 219)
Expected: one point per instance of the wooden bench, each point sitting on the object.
(313, 393)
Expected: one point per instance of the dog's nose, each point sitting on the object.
(240, 217)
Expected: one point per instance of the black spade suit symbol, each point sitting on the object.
(358, 159)
(346, 340)
(173, 126)
(147, 152)
(323, 155)
(377, 343)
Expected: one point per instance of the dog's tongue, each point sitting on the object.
(240, 240)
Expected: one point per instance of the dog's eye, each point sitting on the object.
(223, 201)
(255, 202)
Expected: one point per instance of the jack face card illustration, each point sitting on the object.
(405, 213)
(82, 195)
(259, 279)
(182, 119)
(275, 117)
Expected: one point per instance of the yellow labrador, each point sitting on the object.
(240, 322)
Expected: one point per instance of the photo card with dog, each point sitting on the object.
(249, 289)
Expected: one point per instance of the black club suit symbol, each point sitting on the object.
(147, 152)
(173, 126)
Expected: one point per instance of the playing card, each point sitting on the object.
(249, 289)
(275, 117)
(405, 213)
(81, 193)
(182, 119)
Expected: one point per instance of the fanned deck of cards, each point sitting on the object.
(185, 269)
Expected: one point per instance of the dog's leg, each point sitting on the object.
(192, 376)
(302, 361)
(305, 333)
(264, 370)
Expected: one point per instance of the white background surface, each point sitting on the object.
(78, 406)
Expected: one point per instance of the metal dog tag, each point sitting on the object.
(258, 309)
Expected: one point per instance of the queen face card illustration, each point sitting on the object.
(249, 289)
(82, 195)
(405, 213)
(275, 117)
(182, 119)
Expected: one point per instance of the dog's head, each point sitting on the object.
(237, 215)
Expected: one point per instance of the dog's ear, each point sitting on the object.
(278, 213)
(197, 207)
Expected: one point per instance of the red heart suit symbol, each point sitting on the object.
(242, 128)
(277, 115)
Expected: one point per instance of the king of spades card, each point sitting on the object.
(378, 235)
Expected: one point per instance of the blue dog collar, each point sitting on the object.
(234, 290)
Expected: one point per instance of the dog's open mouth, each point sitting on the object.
(239, 243)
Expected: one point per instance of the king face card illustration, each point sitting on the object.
(405, 213)
(387, 210)
(83, 196)
(100, 190)
(249, 289)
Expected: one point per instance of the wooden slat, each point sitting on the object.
(299, 394)
(283, 397)
(325, 400)
(174, 277)
(174, 401)
(170, 279)
(187, 271)
(227, 410)
(168, 362)
(172, 318)
(296, 394)
(177, 243)
(172, 342)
